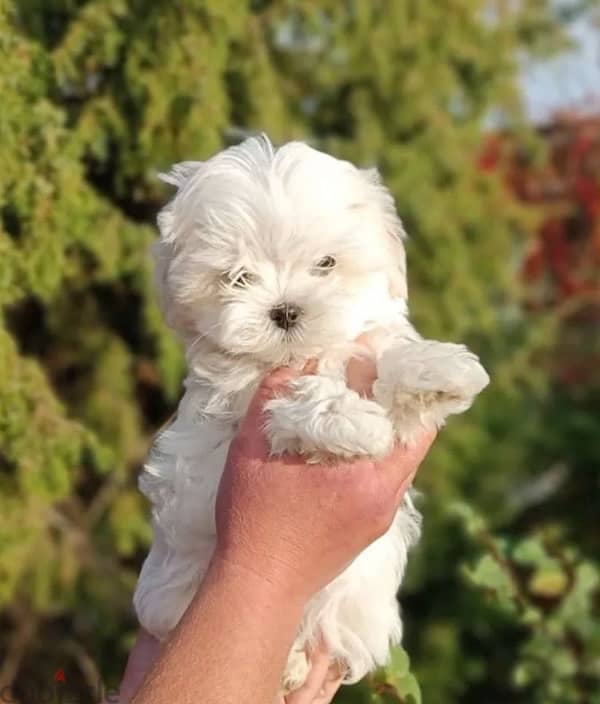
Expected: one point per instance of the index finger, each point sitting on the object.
(251, 429)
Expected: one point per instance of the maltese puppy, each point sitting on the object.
(269, 257)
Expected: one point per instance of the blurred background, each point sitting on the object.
(484, 118)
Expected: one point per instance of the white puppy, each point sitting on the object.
(269, 257)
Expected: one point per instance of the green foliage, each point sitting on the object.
(393, 684)
(97, 96)
(549, 592)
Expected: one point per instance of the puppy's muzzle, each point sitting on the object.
(285, 316)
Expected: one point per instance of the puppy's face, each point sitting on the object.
(277, 254)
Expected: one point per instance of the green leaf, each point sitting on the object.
(399, 665)
(548, 583)
(491, 576)
(529, 552)
(397, 674)
(409, 690)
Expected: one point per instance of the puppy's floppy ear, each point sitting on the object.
(178, 176)
(395, 234)
(164, 249)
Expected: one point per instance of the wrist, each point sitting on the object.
(265, 581)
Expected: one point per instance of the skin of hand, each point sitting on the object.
(285, 532)
(323, 681)
(301, 528)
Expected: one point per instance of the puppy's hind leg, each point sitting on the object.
(167, 584)
(322, 417)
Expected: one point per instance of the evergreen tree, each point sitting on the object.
(99, 95)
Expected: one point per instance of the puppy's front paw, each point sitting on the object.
(322, 417)
(423, 382)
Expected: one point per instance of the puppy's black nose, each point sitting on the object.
(285, 315)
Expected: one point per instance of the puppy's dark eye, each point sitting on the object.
(241, 279)
(324, 266)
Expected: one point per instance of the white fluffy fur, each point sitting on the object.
(273, 214)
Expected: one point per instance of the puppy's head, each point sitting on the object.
(276, 253)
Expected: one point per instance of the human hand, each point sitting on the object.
(294, 525)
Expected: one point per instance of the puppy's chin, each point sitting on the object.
(285, 348)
